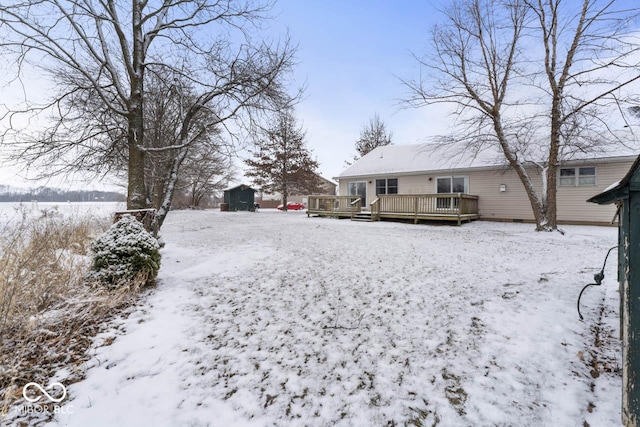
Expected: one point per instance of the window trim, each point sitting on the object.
(576, 176)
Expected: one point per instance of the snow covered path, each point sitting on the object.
(278, 319)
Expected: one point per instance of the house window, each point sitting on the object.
(578, 177)
(450, 184)
(387, 186)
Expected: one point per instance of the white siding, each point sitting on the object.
(511, 204)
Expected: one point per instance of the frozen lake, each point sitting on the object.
(11, 211)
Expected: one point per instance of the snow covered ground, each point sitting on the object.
(274, 318)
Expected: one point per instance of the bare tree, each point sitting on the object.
(99, 53)
(589, 47)
(197, 151)
(281, 162)
(485, 62)
(374, 134)
(205, 172)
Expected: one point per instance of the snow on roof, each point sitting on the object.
(328, 180)
(406, 159)
(612, 186)
(398, 159)
(233, 187)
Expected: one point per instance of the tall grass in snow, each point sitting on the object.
(41, 260)
(47, 312)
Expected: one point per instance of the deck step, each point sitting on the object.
(362, 216)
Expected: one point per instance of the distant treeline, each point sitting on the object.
(46, 194)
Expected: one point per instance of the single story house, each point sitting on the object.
(425, 169)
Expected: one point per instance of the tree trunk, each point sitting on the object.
(537, 206)
(165, 206)
(137, 195)
(194, 196)
(136, 192)
(552, 206)
(552, 173)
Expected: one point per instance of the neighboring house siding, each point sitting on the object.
(512, 204)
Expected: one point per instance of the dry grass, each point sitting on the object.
(48, 314)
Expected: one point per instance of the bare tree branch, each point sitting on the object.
(532, 79)
(99, 53)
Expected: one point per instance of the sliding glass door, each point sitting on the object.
(447, 185)
(359, 188)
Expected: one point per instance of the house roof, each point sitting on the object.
(327, 181)
(421, 158)
(402, 159)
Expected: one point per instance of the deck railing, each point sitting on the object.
(451, 207)
(338, 204)
(375, 209)
(425, 204)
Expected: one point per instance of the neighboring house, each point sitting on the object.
(267, 199)
(421, 169)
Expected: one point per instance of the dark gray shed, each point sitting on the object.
(626, 195)
(240, 198)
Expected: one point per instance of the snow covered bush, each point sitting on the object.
(126, 254)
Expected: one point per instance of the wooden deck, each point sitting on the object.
(335, 206)
(456, 207)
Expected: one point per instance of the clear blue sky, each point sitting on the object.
(350, 53)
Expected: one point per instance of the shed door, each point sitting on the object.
(245, 200)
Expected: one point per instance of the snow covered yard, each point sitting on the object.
(278, 319)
